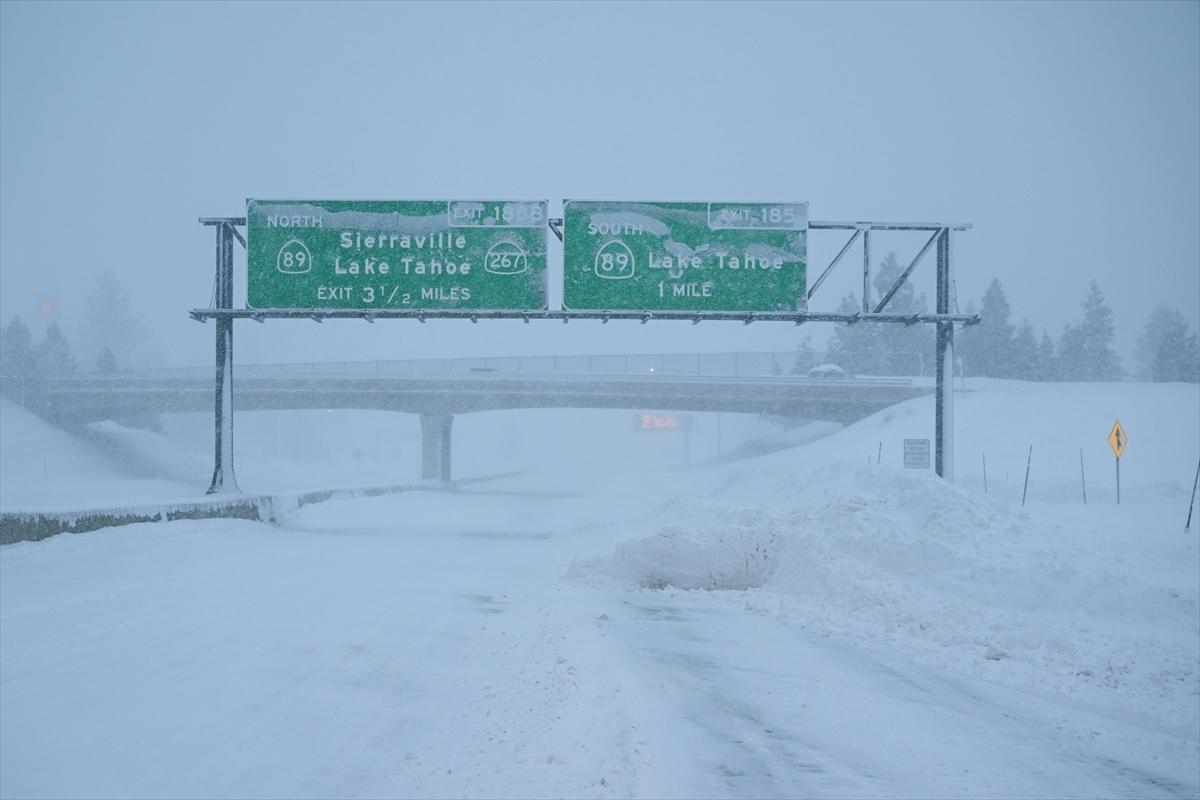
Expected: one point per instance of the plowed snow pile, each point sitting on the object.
(1098, 604)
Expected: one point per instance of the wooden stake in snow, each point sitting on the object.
(985, 491)
(1028, 461)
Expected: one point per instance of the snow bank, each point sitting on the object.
(1097, 603)
(44, 467)
(723, 551)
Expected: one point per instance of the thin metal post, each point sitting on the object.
(944, 398)
(223, 479)
(1118, 480)
(866, 295)
(1082, 476)
(1195, 482)
(1028, 463)
(985, 489)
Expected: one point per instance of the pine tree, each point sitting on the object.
(1024, 354)
(966, 342)
(18, 365)
(1047, 361)
(805, 357)
(1162, 352)
(106, 362)
(1085, 350)
(1177, 355)
(111, 324)
(896, 349)
(849, 347)
(988, 349)
(53, 353)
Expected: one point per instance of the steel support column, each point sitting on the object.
(866, 295)
(944, 399)
(223, 479)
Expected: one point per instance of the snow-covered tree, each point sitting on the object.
(900, 348)
(850, 345)
(1085, 351)
(110, 323)
(1165, 351)
(53, 353)
(1024, 354)
(878, 349)
(106, 362)
(1047, 360)
(988, 348)
(18, 364)
(805, 357)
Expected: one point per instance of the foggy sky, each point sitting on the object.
(1069, 134)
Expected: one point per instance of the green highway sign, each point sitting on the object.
(685, 256)
(383, 254)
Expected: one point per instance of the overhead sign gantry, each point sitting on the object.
(486, 259)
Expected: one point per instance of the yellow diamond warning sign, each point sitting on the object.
(1117, 439)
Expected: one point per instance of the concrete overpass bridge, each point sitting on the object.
(440, 389)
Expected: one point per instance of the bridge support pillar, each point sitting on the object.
(435, 446)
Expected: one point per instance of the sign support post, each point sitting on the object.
(1117, 440)
(944, 399)
(223, 479)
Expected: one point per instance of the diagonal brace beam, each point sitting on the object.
(908, 271)
(834, 263)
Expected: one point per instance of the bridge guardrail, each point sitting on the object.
(714, 365)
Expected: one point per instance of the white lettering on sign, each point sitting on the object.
(466, 214)
(695, 289)
(368, 266)
(614, 229)
(748, 262)
(387, 295)
(675, 265)
(410, 265)
(615, 261)
(294, 221)
(378, 241)
(333, 292)
(445, 293)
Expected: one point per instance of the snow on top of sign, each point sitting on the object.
(391, 222)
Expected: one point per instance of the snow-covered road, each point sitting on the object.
(445, 645)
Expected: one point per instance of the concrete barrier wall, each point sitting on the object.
(32, 526)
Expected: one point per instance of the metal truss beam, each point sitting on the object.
(890, 226)
(421, 315)
(853, 238)
(908, 271)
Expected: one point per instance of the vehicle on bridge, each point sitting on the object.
(829, 371)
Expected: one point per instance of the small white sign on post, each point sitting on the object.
(916, 454)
